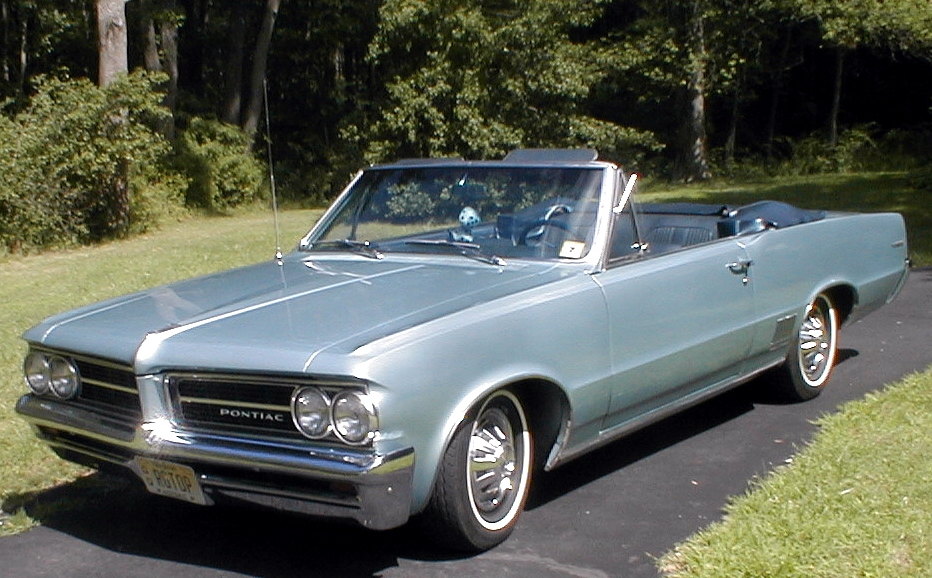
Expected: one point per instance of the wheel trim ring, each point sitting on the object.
(816, 344)
(515, 449)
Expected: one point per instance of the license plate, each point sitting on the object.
(170, 479)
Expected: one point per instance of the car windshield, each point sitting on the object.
(488, 213)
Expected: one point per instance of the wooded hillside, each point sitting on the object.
(682, 89)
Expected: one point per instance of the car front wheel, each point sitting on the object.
(812, 356)
(484, 477)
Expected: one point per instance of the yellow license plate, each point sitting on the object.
(171, 480)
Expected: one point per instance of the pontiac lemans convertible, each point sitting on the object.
(445, 330)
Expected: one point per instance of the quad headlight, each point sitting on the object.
(310, 410)
(51, 374)
(353, 417)
(350, 415)
(38, 373)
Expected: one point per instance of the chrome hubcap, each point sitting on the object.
(493, 468)
(816, 342)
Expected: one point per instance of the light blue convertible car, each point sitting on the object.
(446, 329)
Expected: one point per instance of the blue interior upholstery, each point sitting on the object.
(763, 215)
(670, 226)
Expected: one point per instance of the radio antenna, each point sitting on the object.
(268, 143)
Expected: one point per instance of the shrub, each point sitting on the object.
(83, 163)
(216, 157)
(814, 155)
(922, 180)
(903, 149)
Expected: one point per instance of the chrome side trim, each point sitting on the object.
(565, 454)
(907, 264)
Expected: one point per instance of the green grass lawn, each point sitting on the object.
(854, 503)
(36, 286)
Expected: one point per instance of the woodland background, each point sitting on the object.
(119, 115)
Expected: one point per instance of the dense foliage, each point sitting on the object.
(683, 89)
(479, 79)
(81, 163)
(214, 157)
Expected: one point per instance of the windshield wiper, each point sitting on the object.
(365, 248)
(471, 250)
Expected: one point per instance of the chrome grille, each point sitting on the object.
(108, 388)
(234, 404)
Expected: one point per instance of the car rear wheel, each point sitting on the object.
(484, 477)
(812, 356)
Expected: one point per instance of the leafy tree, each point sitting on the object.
(40, 36)
(319, 81)
(898, 25)
(661, 62)
(480, 77)
(355, 80)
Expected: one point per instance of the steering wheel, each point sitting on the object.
(546, 221)
(540, 225)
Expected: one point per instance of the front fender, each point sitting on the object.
(427, 378)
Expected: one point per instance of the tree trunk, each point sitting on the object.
(23, 53)
(233, 76)
(112, 213)
(777, 91)
(732, 140)
(168, 33)
(836, 96)
(5, 65)
(150, 49)
(160, 51)
(339, 70)
(192, 45)
(694, 155)
(111, 40)
(259, 63)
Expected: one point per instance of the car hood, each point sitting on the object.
(277, 318)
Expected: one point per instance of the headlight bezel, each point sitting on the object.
(37, 372)
(351, 416)
(360, 405)
(51, 375)
(321, 430)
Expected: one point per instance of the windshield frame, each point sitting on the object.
(604, 175)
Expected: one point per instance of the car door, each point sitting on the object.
(681, 323)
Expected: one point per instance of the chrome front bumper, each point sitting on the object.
(371, 488)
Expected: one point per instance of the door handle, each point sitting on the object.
(739, 267)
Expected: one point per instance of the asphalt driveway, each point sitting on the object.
(607, 514)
